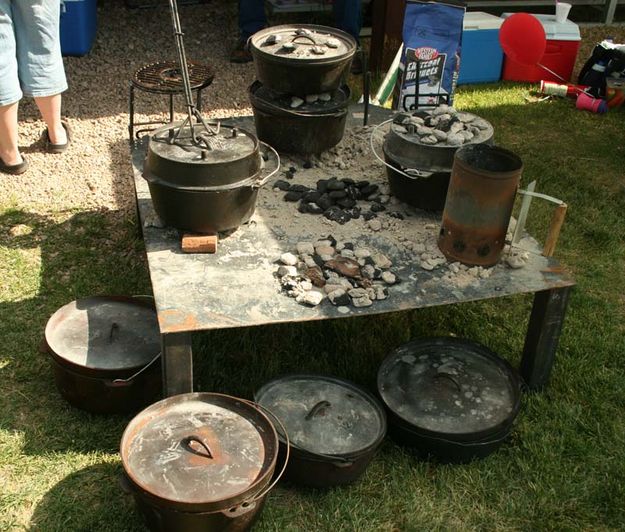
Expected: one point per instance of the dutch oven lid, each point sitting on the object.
(449, 386)
(104, 333)
(413, 128)
(306, 43)
(320, 104)
(323, 415)
(229, 144)
(197, 448)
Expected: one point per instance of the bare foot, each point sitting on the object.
(11, 158)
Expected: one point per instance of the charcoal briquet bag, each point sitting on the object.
(432, 36)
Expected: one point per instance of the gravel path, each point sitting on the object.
(95, 172)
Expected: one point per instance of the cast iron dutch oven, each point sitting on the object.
(311, 128)
(303, 59)
(200, 462)
(207, 189)
(419, 173)
(449, 398)
(106, 353)
(334, 427)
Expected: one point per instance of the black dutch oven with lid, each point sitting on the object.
(309, 129)
(419, 173)
(334, 427)
(209, 186)
(303, 59)
(105, 353)
(200, 462)
(449, 398)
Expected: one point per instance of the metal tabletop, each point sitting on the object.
(238, 286)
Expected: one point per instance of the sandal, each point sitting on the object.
(14, 169)
(57, 148)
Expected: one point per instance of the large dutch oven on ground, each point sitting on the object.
(200, 462)
(334, 427)
(106, 353)
(419, 172)
(449, 398)
(309, 129)
(303, 59)
(210, 188)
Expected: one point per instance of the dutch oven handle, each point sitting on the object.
(263, 180)
(119, 383)
(310, 38)
(247, 505)
(416, 173)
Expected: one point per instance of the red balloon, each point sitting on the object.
(523, 39)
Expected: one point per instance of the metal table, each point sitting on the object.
(237, 286)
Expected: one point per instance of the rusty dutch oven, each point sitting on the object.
(105, 353)
(200, 462)
(335, 428)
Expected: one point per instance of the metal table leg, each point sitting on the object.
(177, 362)
(543, 333)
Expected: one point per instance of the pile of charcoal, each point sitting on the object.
(337, 199)
(445, 126)
(344, 274)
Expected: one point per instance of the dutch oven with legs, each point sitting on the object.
(449, 398)
(418, 172)
(301, 60)
(105, 353)
(200, 462)
(335, 428)
(210, 185)
(313, 127)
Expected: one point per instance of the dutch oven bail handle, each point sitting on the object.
(118, 383)
(248, 504)
(303, 35)
(415, 173)
(263, 180)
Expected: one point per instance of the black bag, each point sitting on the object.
(606, 60)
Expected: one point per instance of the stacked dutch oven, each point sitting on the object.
(419, 152)
(300, 100)
(106, 353)
(206, 179)
(449, 398)
(335, 428)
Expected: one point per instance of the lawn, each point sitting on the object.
(563, 467)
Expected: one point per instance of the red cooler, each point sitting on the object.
(562, 45)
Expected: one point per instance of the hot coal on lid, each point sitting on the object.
(305, 42)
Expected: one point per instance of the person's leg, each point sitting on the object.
(348, 17)
(252, 17)
(9, 152)
(10, 92)
(40, 64)
(50, 109)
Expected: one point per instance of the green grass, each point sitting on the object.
(563, 468)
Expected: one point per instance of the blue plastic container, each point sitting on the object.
(78, 26)
(481, 56)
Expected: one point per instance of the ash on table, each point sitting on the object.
(344, 274)
(337, 199)
(443, 126)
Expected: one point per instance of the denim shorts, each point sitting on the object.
(30, 50)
